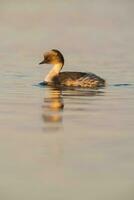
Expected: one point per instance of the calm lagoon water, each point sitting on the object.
(66, 144)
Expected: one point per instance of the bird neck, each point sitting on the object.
(54, 72)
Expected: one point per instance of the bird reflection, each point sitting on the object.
(52, 116)
(53, 105)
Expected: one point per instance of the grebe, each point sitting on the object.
(72, 79)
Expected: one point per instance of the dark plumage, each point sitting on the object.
(72, 79)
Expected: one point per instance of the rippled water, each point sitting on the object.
(66, 143)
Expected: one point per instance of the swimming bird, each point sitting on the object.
(69, 78)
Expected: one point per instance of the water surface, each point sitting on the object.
(69, 143)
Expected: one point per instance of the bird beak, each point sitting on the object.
(42, 62)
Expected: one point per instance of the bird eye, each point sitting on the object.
(47, 59)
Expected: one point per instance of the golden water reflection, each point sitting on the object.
(53, 105)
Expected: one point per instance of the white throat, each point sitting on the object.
(54, 72)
